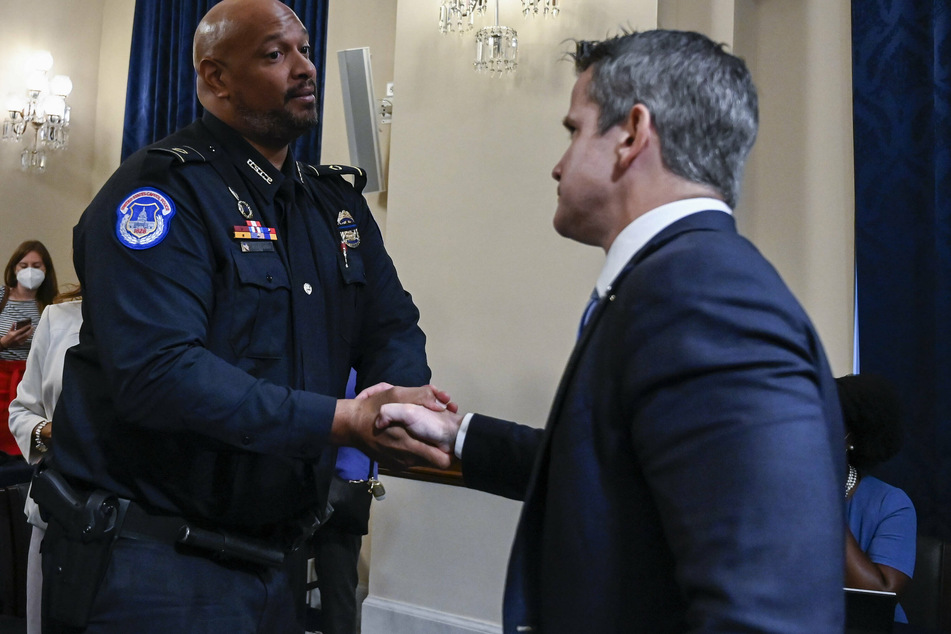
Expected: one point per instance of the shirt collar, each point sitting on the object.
(634, 236)
(250, 163)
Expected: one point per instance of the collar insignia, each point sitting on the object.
(260, 172)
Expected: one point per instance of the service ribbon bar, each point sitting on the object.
(254, 231)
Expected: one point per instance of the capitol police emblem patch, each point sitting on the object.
(144, 218)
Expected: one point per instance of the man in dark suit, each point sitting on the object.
(690, 476)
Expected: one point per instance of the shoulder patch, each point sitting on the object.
(144, 218)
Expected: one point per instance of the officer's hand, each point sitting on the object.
(373, 389)
(444, 401)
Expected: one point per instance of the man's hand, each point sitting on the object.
(354, 426)
(437, 428)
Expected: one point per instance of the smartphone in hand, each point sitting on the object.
(23, 323)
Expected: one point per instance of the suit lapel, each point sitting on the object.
(700, 221)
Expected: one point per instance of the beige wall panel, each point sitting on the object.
(113, 78)
(798, 202)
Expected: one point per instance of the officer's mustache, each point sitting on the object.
(308, 87)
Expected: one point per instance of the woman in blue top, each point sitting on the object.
(880, 542)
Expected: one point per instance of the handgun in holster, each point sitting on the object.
(76, 548)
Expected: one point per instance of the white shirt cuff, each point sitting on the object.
(461, 435)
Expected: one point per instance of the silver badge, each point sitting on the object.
(349, 234)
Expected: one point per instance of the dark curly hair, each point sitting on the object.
(872, 413)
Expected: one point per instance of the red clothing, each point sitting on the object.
(10, 374)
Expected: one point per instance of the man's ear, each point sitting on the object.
(636, 132)
(210, 73)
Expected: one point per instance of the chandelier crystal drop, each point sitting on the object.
(546, 7)
(458, 16)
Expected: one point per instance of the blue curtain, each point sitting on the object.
(161, 90)
(901, 56)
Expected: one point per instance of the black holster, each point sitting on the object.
(351, 506)
(77, 545)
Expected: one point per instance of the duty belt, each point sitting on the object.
(101, 514)
(222, 544)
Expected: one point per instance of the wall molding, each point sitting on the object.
(384, 616)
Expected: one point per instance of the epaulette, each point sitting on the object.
(184, 153)
(359, 176)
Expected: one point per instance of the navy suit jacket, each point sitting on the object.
(691, 473)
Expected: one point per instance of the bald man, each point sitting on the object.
(229, 289)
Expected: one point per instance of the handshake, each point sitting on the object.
(399, 426)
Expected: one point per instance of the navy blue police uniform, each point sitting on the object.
(225, 303)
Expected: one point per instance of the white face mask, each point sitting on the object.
(30, 278)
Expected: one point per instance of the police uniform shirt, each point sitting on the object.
(225, 303)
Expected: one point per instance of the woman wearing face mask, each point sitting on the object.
(29, 285)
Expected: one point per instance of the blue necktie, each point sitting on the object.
(586, 315)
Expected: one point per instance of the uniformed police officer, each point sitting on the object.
(229, 291)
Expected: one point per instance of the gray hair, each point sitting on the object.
(702, 100)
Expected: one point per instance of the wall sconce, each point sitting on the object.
(43, 112)
(496, 46)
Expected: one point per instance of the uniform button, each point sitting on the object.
(246, 440)
(269, 278)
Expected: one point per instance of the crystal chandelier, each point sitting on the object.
(545, 7)
(496, 46)
(42, 117)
